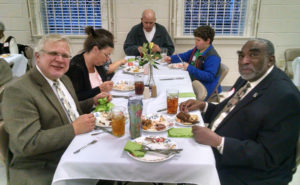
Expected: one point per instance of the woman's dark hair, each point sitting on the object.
(205, 32)
(100, 38)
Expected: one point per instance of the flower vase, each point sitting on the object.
(150, 81)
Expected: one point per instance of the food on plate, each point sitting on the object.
(135, 149)
(103, 119)
(123, 86)
(186, 118)
(175, 66)
(104, 105)
(133, 69)
(156, 123)
(180, 132)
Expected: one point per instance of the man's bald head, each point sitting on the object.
(148, 19)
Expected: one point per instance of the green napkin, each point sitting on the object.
(134, 148)
(180, 132)
(186, 95)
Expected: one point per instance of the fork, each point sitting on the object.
(90, 143)
(162, 151)
(103, 129)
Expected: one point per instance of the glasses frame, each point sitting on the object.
(56, 54)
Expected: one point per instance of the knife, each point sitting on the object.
(120, 96)
(160, 110)
(177, 78)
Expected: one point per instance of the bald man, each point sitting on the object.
(145, 32)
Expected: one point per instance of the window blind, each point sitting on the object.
(227, 17)
(70, 16)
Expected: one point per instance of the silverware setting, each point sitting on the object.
(94, 134)
(177, 78)
(90, 143)
(120, 96)
(103, 129)
(162, 151)
(160, 110)
(180, 58)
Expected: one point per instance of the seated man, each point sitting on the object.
(146, 32)
(202, 62)
(7, 44)
(254, 132)
(42, 114)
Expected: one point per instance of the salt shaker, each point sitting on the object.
(146, 93)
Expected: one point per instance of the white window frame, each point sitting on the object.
(36, 18)
(251, 23)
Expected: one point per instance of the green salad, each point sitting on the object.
(103, 105)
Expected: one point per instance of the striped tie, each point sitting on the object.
(231, 103)
(64, 101)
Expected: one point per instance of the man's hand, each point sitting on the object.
(140, 49)
(106, 86)
(155, 48)
(84, 123)
(185, 65)
(191, 105)
(102, 95)
(205, 136)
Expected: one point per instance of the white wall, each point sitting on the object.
(279, 21)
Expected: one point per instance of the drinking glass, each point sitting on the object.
(118, 121)
(172, 101)
(163, 53)
(139, 84)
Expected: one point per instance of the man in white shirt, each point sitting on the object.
(145, 32)
(42, 114)
(254, 132)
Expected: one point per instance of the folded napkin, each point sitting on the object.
(134, 148)
(180, 132)
(186, 95)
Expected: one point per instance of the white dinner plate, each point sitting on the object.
(186, 124)
(103, 119)
(123, 85)
(158, 119)
(133, 70)
(176, 66)
(152, 157)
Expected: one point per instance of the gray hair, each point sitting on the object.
(2, 27)
(50, 38)
(269, 45)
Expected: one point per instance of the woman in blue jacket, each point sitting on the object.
(202, 62)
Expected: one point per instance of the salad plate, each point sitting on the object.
(154, 142)
(133, 69)
(123, 85)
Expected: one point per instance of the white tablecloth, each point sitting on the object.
(19, 63)
(107, 160)
(296, 71)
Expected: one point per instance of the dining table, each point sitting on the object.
(18, 62)
(107, 160)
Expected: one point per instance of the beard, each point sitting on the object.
(250, 76)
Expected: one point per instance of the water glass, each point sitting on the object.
(139, 84)
(118, 121)
(163, 53)
(172, 101)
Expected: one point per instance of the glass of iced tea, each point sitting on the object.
(139, 84)
(172, 101)
(118, 121)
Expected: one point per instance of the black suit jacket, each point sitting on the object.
(260, 133)
(79, 76)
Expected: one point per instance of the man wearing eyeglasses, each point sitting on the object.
(42, 114)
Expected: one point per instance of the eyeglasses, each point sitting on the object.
(56, 54)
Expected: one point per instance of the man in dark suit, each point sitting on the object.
(42, 114)
(254, 132)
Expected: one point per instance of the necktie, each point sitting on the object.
(64, 101)
(231, 103)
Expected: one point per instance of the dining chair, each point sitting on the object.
(214, 97)
(29, 55)
(289, 56)
(4, 152)
(199, 90)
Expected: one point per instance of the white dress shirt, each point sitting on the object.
(65, 91)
